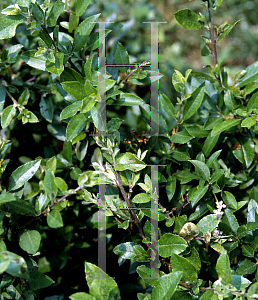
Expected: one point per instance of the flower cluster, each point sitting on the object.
(135, 140)
(219, 205)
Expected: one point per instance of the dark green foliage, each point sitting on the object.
(55, 159)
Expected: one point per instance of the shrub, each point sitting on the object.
(181, 205)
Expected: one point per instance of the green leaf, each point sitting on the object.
(22, 207)
(208, 223)
(188, 19)
(181, 137)
(170, 243)
(125, 250)
(7, 115)
(37, 62)
(229, 100)
(56, 67)
(14, 264)
(223, 269)
(75, 126)
(75, 89)
(120, 56)
(246, 267)
(81, 296)
(81, 6)
(22, 174)
(166, 286)
(55, 12)
(180, 154)
(202, 169)
(171, 187)
(70, 74)
(46, 109)
(23, 99)
(227, 31)
(39, 281)
(202, 75)
(179, 263)
(196, 131)
(209, 144)
(129, 161)
(225, 125)
(248, 251)
(197, 194)
(51, 164)
(248, 122)
(8, 25)
(193, 103)
(141, 198)
(54, 219)
(96, 39)
(185, 176)
(61, 184)
(253, 102)
(29, 241)
(71, 110)
(73, 22)
(127, 99)
(5, 198)
(229, 199)
(167, 105)
(230, 220)
(114, 124)
(250, 76)
(83, 31)
(104, 287)
(49, 185)
(212, 158)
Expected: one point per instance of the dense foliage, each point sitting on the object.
(183, 202)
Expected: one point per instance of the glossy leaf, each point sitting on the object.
(49, 185)
(202, 169)
(171, 243)
(8, 25)
(56, 67)
(127, 99)
(120, 56)
(193, 103)
(225, 125)
(179, 263)
(46, 109)
(54, 219)
(7, 115)
(197, 195)
(166, 286)
(188, 19)
(104, 287)
(223, 269)
(71, 110)
(75, 126)
(22, 174)
(55, 12)
(34, 61)
(208, 223)
(83, 31)
(129, 161)
(229, 199)
(29, 241)
(81, 6)
(75, 89)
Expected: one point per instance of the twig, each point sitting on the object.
(132, 72)
(7, 92)
(213, 42)
(129, 205)
(46, 211)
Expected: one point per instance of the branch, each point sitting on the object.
(46, 211)
(7, 92)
